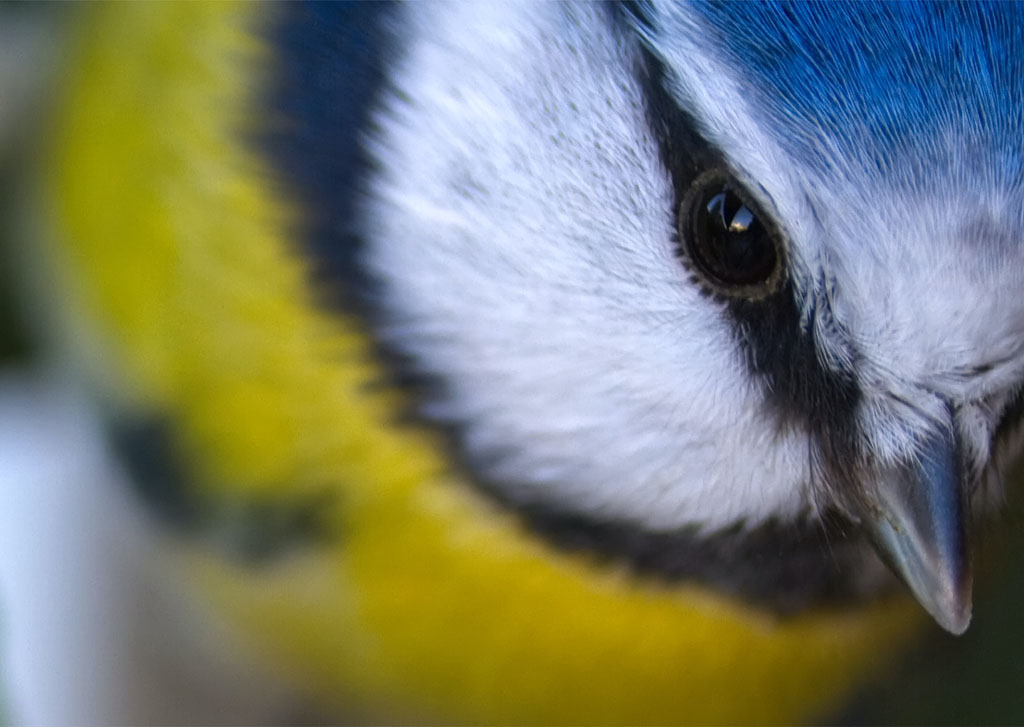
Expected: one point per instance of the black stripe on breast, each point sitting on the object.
(254, 530)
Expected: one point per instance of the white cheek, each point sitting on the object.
(523, 234)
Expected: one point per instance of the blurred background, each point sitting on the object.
(974, 679)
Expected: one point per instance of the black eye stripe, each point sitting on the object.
(776, 332)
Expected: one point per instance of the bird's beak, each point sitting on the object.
(917, 520)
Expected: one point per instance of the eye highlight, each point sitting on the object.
(727, 240)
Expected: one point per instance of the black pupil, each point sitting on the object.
(729, 241)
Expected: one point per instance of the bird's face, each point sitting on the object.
(693, 274)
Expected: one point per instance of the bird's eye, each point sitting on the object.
(726, 239)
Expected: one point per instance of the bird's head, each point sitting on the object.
(736, 287)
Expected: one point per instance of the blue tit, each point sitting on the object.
(550, 363)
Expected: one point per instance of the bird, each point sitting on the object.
(543, 362)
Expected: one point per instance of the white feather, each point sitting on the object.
(523, 228)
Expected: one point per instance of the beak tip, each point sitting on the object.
(918, 523)
(953, 602)
(959, 626)
(941, 581)
(952, 610)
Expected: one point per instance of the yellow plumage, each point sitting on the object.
(190, 300)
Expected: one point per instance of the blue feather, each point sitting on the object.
(921, 84)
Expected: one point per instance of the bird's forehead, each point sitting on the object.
(906, 89)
